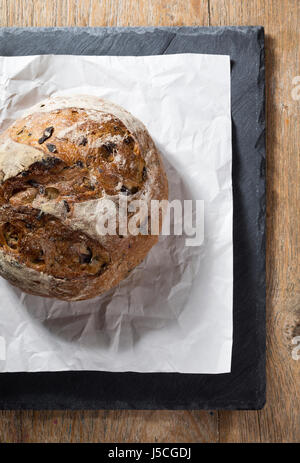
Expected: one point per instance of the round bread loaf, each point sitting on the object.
(58, 166)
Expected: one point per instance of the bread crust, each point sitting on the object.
(59, 165)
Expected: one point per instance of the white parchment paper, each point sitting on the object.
(174, 312)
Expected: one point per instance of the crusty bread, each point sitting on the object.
(57, 166)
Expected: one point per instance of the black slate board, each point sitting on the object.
(244, 387)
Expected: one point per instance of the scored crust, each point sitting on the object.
(58, 166)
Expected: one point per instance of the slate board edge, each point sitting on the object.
(261, 244)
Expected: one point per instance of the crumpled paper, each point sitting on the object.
(174, 312)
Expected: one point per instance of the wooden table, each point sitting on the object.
(279, 421)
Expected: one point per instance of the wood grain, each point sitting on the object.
(279, 421)
(119, 426)
(103, 12)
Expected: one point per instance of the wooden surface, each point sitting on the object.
(279, 421)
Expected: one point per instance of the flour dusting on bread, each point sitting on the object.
(58, 166)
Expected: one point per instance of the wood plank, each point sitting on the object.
(103, 12)
(10, 426)
(119, 426)
(279, 421)
(106, 426)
